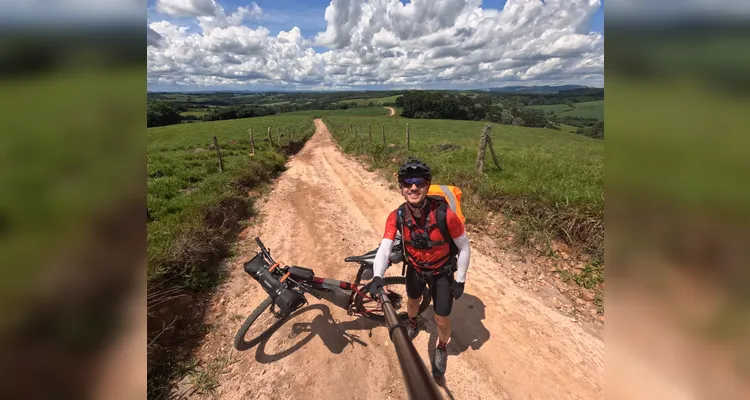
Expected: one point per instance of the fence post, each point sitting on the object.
(218, 152)
(270, 142)
(370, 128)
(482, 149)
(492, 151)
(407, 136)
(252, 140)
(383, 126)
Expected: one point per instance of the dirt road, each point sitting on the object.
(391, 111)
(506, 343)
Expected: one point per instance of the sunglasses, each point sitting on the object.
(420, 182)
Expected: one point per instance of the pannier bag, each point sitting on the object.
(286, 299)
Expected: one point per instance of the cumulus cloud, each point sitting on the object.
(383, 42)
(153, 38)
(187, 8)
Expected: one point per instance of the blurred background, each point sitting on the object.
(677, 249)
(72, 199)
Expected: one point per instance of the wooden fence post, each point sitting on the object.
(383, 126)
(492, 150)
(218, 152)
(482, 149)
(370, 128)
(252, 140)
(270, 142)
(407, 136)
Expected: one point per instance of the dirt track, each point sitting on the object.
(506, 343)
(391, 111)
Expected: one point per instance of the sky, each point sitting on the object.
(373, 44)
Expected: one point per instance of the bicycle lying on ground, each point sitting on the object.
(286, 287)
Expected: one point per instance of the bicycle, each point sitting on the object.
(286, 287)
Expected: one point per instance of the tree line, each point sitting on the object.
(509, 109)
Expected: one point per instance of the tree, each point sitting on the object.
(161, 113)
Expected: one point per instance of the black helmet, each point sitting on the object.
(413, 168)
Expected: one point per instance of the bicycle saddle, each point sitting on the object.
(368, 257)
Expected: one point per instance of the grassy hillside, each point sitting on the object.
(376, 101)
(195, 113)
(360, 112)
(589, 109)
(195, 211)
(557, 108)
(552, 182)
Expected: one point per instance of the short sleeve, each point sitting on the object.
(390, 226)
(455, 226)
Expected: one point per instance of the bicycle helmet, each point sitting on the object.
(413, 168)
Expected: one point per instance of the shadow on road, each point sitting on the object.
(335, 336)
(467, 327)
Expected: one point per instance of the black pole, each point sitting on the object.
(419, 383)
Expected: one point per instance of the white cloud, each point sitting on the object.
(384, 42)
(188, 8)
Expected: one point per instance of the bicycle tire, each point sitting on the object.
(239, 339)
(391, 281)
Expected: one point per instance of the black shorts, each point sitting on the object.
(442, 296)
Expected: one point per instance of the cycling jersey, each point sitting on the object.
(428, 258)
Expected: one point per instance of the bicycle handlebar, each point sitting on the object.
(419, 384)
(266, 253)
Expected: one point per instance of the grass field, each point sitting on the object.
(361, 112)
(376, 101)
(552, 181)
(183, 171)
(195, 113)
(558, 108)
(589, 109)
(195, 212)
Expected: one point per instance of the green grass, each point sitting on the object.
(589, 109)
(557, 108)
(376, 101)
(552, 181)
(195, 113)
(367, 111)
(184, 178)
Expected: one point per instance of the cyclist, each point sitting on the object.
(428, 256)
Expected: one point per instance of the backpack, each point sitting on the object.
(447, 197)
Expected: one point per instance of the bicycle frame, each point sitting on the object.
(337, 292)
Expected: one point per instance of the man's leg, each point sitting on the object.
(444, 327)
(414, 288)
(412, 307)
(443, 305)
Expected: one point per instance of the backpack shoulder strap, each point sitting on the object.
(399, 228)
(442, 220)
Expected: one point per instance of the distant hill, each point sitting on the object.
(536, 89)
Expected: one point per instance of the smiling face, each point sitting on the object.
(414, 190)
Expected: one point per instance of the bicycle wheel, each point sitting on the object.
(397, 288)
(258, 325)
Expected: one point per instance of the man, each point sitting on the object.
(428, 255)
